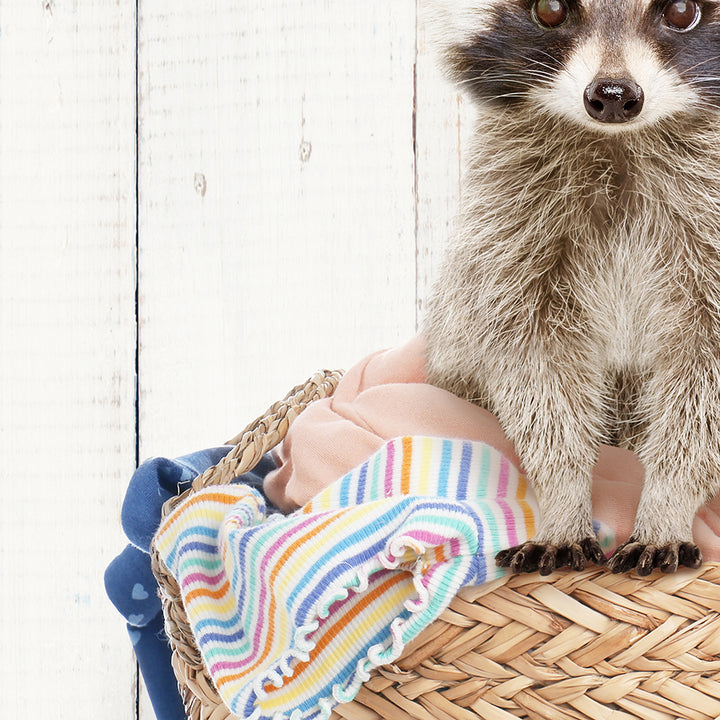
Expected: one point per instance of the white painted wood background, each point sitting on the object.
(281, 207)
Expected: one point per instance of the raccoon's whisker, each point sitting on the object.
(540, 68)
(543, 72)
(706, 106)
(555, 62)
(487, 75)
(697, 65)
(504, 79)
(670, 62)
(495, 74)
(703, 101)
(543, 77)
(505, 96)
(535, 66)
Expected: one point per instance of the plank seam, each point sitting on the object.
(137, 283)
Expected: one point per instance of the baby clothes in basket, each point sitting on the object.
(129, 581)
(291, 613)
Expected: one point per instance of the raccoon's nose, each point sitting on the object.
(613, 100)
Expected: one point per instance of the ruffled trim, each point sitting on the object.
(381, 653)
(390, 516)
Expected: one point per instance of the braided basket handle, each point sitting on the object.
(263, 434)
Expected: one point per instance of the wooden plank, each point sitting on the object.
(443, 126)
(277, 203)
(67, 352)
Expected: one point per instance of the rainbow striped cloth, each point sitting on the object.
(292, 612)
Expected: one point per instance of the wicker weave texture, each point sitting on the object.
(569, 646)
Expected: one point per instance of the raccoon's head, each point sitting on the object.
(610, 65)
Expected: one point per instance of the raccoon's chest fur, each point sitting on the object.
(646, 259)
(621, 272)
(621, 299)
(614, 240)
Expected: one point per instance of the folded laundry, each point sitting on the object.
(292, 612)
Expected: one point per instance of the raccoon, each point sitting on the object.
(580, 300)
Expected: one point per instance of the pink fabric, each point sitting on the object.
(385, 396)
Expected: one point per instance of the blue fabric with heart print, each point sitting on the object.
(132, 587)
(129, 581)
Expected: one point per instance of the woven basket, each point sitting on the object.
(569, 646)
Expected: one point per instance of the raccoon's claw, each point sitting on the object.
(689, 555)
(521, 558)
(645, 558)
(546, 557)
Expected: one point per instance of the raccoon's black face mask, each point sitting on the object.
(608, 64)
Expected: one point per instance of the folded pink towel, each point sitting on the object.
(385, 396)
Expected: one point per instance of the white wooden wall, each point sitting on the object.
(281, 207)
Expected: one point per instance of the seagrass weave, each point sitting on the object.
(570, 646)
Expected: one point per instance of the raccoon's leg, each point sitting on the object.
(550, 403)
(681, 452)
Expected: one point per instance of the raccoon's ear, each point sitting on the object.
(451, 25)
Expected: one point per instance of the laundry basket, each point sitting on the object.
(569, 646)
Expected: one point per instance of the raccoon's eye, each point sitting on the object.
(682, 15)
(549, 13)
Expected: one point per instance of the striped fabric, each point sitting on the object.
(291, 613)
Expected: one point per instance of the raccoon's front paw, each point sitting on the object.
(546, 557)
(644, 558)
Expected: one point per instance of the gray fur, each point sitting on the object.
(580, 302)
